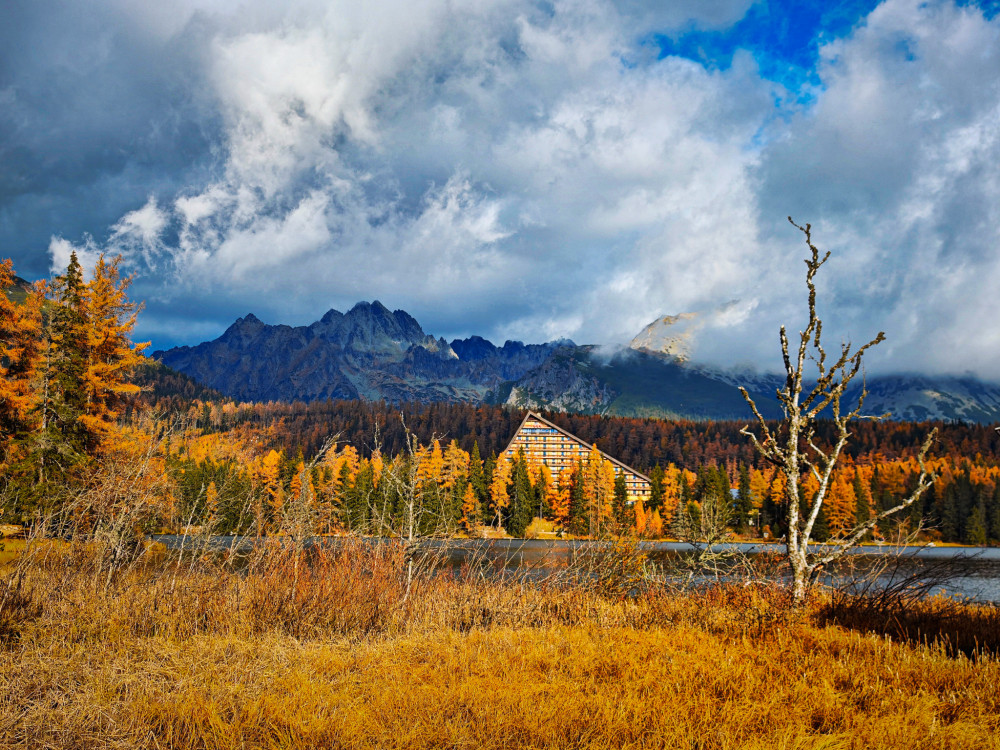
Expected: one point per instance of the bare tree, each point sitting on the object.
(704, 528)
(793, 446)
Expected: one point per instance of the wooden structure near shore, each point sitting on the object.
(547, 443)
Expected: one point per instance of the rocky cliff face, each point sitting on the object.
(369, 352)
(560, 384)
(669, 335)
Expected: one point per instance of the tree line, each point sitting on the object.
(640, 443)
(467, 491)
(77, 394)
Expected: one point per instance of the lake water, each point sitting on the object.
(967, 572)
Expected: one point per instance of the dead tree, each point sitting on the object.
(793, 446)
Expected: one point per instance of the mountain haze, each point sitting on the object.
(375, 354)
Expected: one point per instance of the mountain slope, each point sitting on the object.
(630, 384)
(368, 353)
(916, 398)
(373, 353)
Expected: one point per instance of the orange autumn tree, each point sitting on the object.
(470, 511)
(65, 375)
(599, 490)
(548, 489)
(20, 352)
(265, 473)
(499, 495)
(111, 355)
(559, 504)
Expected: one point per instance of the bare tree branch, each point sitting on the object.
(794, 450)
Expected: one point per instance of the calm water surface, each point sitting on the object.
(969, 572)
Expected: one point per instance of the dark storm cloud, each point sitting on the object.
(516, 168)
(96, 115)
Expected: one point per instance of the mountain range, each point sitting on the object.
(375, 354)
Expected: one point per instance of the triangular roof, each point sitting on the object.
(571, 436)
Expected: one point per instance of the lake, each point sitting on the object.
(967, 572)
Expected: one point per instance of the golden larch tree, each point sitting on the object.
(559, 504)
(470, 511)
(499, 495)
(112, 356)
(20, 334)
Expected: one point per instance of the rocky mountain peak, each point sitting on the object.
(372, 353)
(331, 316)
(473, 348)
(244, 328)
(669, 335)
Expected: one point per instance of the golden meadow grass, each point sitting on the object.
(203, 656)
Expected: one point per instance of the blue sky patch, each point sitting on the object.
(783, 36)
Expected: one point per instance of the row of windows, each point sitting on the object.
(559, 451)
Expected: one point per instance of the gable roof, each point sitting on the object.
(571, 436)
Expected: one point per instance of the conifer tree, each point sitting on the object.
(744, 500)
(477, 479)
(359, 497)
(656, 489)
(20, 353)
(522, 498)
(993, 515)
(211, 504)
(975, 528)
(862, 503)
(499, 494)
(578, 516)
(65, 442)
(548, 492)
(110, 354)
(624, 515)
(559, 503)
(470, 510)
(486, 500)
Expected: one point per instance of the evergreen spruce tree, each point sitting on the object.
(64, 397)
(485, 507)
(656, 488)
(744, 500)
(993, 515)
(975, 527)
(947, 512)
(821, 529)
(346, 497)
(522, 498)
(685, 491)
(624, 515)
(862, 509)
(358, 498)
(772, 513)
(477, 476)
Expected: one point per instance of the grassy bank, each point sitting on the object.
(351, 650)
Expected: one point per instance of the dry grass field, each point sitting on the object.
(345, 649)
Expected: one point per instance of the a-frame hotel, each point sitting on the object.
(549, 444)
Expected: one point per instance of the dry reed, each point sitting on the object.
(347, 652)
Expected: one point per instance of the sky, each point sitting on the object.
(519, 169)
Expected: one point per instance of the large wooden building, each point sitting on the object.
(551, 445)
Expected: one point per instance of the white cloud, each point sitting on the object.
(896, 166)
(508, 168)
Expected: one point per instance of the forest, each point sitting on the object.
(79, 401)
(689, 464)
(110, 639)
